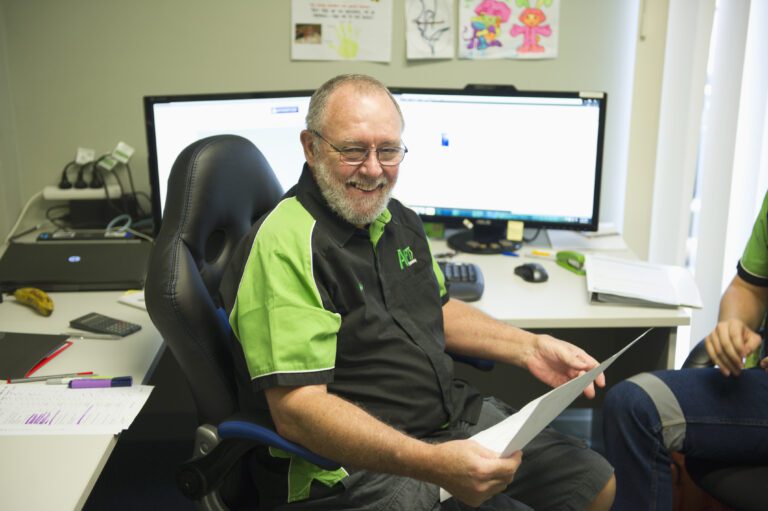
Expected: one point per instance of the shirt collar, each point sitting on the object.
(311, 197)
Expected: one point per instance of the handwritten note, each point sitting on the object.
(56, 409)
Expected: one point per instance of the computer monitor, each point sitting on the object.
(271, 120)
(488, 155)
(483, 154)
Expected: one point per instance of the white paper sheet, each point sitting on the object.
(30, 408)
(496, 29)
(514, 433)
(429, 29)
(341, 30)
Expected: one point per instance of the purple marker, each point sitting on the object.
(96, 383)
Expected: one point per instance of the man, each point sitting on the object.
(344, 321)
(707, 414)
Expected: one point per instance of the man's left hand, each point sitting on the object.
(555, 362)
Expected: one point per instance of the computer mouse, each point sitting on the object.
(532, 272)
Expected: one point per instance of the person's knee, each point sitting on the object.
(628, 411)
(625, 400)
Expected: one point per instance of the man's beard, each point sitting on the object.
(358, 212)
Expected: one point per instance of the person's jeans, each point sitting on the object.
(697, 412)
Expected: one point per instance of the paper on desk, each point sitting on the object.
(514, 433)
(640, 283)
(134, 298)
(30, 408)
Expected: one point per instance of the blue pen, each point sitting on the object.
(511, 254)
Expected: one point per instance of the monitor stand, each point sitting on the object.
(484, 239)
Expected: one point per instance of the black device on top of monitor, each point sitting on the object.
(486, 154)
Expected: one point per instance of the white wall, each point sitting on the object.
(78, 69)
(644, 124)
(10, 202)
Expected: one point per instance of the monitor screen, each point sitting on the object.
(484, 154)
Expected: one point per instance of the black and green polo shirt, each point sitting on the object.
(323, 302)
(753, 266)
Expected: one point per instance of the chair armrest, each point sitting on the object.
(224, 447)
(236, 429)
(698, 357)
(478, 363)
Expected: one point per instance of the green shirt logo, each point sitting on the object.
(405, 257)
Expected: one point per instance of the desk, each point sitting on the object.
(561, 308)
(57, 471)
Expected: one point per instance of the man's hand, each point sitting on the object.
(472, 473)
(555, 362)
(729, 343)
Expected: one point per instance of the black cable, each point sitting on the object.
(55, 221)
(536, 235)
(139, 209)
(110, 200)
(65, 183)
(100, 170)
(146, 196)
(80, 182)
(122, 189)
(97, 181)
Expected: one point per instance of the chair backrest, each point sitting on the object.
(218, 187)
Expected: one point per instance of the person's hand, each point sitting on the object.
(472, 473)
(729, 343)
(555, 362)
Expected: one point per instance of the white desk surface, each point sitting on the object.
(561, 302)
(58, 472)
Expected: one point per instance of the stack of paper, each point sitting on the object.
(623, 281)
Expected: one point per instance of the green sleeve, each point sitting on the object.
(278, 315)
(440, 277)
(753, 265)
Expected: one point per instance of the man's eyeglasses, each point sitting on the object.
(357, 155)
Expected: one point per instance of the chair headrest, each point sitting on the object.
(217, 187)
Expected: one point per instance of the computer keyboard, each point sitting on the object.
(465, 280)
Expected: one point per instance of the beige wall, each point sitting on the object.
(77, 71)
(10, 202)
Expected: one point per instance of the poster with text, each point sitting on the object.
(429, 29)
(341, 30)
(509, 29)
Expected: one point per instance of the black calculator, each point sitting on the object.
(99, 323)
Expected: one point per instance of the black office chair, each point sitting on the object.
(217, 188)
(738, 487)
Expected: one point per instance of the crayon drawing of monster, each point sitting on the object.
(489, 15)
(531, 29)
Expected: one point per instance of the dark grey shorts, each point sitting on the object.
(558, 472)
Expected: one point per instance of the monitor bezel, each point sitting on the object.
(472, 90)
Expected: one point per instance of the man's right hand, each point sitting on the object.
(472, 473)
(729, 343)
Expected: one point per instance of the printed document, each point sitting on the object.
(514, 433)
(624, 281)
